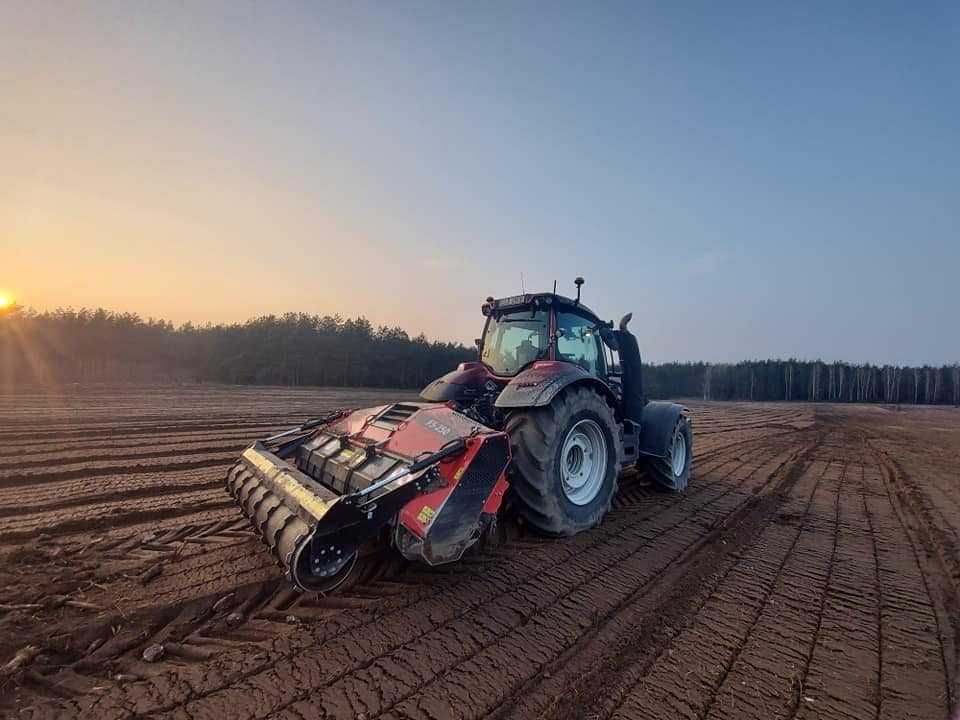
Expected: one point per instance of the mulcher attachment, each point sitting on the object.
(285, 507)
(331, 486)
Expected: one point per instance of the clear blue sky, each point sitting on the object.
(751, 180)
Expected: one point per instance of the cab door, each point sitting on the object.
(578, 342)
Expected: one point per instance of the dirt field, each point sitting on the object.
(811, 570)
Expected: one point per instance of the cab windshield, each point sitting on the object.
(513, 340)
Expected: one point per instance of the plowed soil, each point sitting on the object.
(811, 570)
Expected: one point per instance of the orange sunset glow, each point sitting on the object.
(220, 162)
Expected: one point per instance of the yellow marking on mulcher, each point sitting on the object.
(284, 479)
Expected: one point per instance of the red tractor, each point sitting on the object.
(552, 412)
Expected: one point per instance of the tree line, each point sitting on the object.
(809, 380)
(74, 346)
(68, 346)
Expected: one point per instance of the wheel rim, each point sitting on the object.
(678, 454)
(322, 573)
(583, 462)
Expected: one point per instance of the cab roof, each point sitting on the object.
(514, 302)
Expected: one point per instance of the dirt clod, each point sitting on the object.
(153, 572)
(23, 657)
(154, 653)
(223, 603)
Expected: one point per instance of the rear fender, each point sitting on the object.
(656, 427)
(539, 384)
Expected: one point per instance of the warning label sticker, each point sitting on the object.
(425, 515)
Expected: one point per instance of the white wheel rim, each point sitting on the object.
(583, 462)
(678, 454)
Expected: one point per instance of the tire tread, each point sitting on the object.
(534, 434)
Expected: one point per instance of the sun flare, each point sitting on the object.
(5, 301)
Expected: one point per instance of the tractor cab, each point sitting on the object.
(534, 346)
(524, 329)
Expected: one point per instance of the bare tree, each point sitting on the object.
(817, 385)
(891, 379)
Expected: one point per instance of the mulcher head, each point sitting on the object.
(422, 474)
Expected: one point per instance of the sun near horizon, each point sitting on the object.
(6, 301)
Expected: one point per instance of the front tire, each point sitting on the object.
(566, 460)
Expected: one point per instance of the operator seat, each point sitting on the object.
(526, 353)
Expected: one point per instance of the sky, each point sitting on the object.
(750, 180)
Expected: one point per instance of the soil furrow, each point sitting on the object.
(809, 571)
(502, 581)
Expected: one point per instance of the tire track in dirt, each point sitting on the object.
(20, 505)
(842, 676)
(102, 444)
(757, 683)
(497, 632)
(760, 683)
(439, 696)
(913, 605)
(63, 460)
(90, 471)
(766, 674)
(736, 600)
(544, 551)
(112, 515)
(576, 683)
(689, 676)
(145, 430)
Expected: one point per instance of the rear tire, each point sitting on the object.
(566, 458)
(673, 471)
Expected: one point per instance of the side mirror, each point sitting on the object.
(476, 341)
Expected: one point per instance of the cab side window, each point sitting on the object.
(579, 343)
